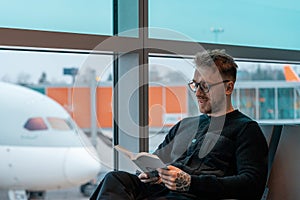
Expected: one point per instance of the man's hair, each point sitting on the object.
(224, 62)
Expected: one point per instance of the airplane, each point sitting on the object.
(41, 147)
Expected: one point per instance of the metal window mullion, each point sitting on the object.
(115, 110)
(143, 103)
(143, 78)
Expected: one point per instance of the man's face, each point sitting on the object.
(214, 100)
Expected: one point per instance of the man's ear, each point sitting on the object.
(229, 88)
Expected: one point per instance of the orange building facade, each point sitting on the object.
(167, 104)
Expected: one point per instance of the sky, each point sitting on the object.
(16, 65)
(268, 23)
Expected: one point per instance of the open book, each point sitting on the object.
(146, 162)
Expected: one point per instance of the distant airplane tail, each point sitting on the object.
(290, 74)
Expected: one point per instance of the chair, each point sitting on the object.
(284, 162)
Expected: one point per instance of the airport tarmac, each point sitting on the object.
(72, 193)
(65, 194)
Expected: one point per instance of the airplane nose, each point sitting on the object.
(80, 166)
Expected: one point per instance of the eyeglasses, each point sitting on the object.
(204, 87)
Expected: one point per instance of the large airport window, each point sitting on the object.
(51, 73)
(80, 82)
(249, 23)
(89, 17)
(35, 124)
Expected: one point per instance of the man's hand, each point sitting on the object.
(174, 178)
(144, 177)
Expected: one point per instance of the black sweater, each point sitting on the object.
(226, 156)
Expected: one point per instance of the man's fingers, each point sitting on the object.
(169, 184)
(143, 176)
(149, 180)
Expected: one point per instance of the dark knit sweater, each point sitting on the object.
(225, 156)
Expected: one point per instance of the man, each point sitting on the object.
(221, 154)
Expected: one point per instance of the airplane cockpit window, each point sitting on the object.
(59, 123)
(35, 124)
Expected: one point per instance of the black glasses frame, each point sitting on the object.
(204, 86)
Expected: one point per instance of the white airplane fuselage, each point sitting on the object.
(41, 147)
